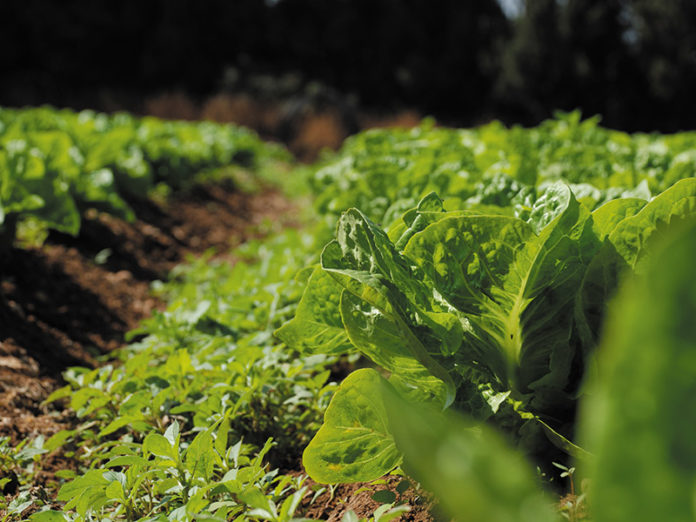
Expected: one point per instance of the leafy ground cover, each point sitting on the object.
(460, 270)
(75, 298)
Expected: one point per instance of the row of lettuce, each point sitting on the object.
(54, 164)
(386, 173)
(474, 268)
(478, 279)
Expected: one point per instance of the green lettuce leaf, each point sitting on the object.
(355, 443)
(514, 289)
(626, 227)
(390, 344)
(632, 234)
(317, 325)
(473, 472)
(364, 261)
(639, 420)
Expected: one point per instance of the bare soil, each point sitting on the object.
(332, 504)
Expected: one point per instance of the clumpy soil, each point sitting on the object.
(332, 504)
(74, 299)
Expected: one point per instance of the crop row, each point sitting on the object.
(384, 173)
(474, 268)
(478, 278)
(56, 163)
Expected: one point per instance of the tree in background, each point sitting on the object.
(441, 55)
(663, 40)
(533, 64)
(633, 61)
(599, 73)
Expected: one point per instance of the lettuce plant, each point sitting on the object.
(493, 315)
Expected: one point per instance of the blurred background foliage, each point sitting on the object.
(632, 61)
